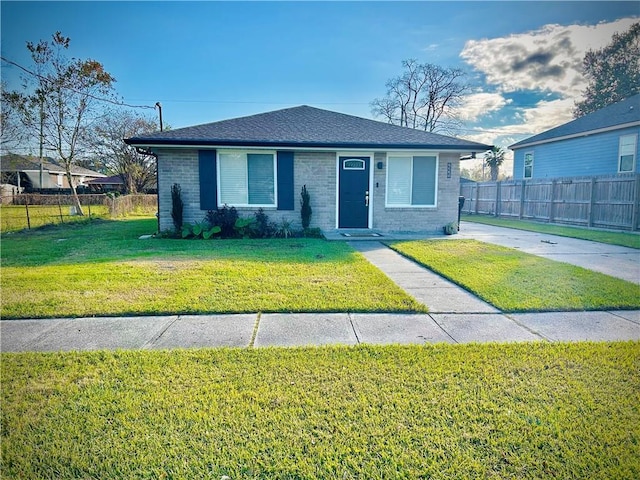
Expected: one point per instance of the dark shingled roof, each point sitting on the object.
(305, 126)
(17, 163)
(112, 180)
(621, 113)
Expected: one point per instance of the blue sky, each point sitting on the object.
(207, 61)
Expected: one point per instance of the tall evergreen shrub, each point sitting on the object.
(305, 205)
(176, 206)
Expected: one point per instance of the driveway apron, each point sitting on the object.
(613, 260)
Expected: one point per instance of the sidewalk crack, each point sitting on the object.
(254, 334)
(353, 327)
(612, 312)
(149, 343)
(442, 328)
(528, 329)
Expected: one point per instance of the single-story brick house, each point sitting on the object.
(360, 173)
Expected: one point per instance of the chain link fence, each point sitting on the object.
(27, 211)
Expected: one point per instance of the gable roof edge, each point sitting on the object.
(586, 133)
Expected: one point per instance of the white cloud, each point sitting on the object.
(547, 59)
(476, 105)
(533, 120)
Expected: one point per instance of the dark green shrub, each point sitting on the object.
(225, 218)
(244, 227)
(199, 230)
(305, 210)
(262, 228)
(177, 206)
(312, 233)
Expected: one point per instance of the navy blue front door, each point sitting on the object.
(353, 192)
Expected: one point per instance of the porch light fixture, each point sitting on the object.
(380, 165)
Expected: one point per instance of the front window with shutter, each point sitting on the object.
(247, 179)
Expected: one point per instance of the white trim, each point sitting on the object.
(363, 166)
(355, 153)
(411, 155)
(576, 135)
(245, 153)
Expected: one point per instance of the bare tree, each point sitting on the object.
(11, 131)
(60, 100)
(136, 169)
(424, 96)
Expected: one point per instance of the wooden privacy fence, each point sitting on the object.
(610, 201)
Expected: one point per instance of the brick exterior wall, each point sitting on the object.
(178, 166)
(316, 170)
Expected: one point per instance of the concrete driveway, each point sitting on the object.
(620, 262)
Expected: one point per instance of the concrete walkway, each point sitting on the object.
(455, 315)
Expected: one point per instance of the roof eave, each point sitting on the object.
(585, 133)
(138, 142)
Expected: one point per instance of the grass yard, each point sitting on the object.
(531, 410)
(103, 268)
(14, 217)
(624, 239)
(514, 281)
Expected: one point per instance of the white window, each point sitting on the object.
(60, 180)
(528, 165)
(627, 153)
(247, 179)
(412, 180)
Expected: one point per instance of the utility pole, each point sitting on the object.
(159, 105)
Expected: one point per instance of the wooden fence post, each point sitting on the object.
(636, 205)
(477, 195)
(498, 197)
(553, 199)
(592, 201)
(522, 192)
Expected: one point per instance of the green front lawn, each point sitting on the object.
(624, 239)
(532, 410)
(515, 281)
(103, 268)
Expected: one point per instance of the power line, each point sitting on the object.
(101, 99)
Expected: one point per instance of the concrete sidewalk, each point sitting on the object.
(287, 330)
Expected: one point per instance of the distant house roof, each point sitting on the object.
(619, 115)
(18, 163)
(112, 180)
(307, 127)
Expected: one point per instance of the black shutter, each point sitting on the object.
(208, 180)
(285, 181)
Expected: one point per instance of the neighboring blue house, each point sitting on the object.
(600, 143)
